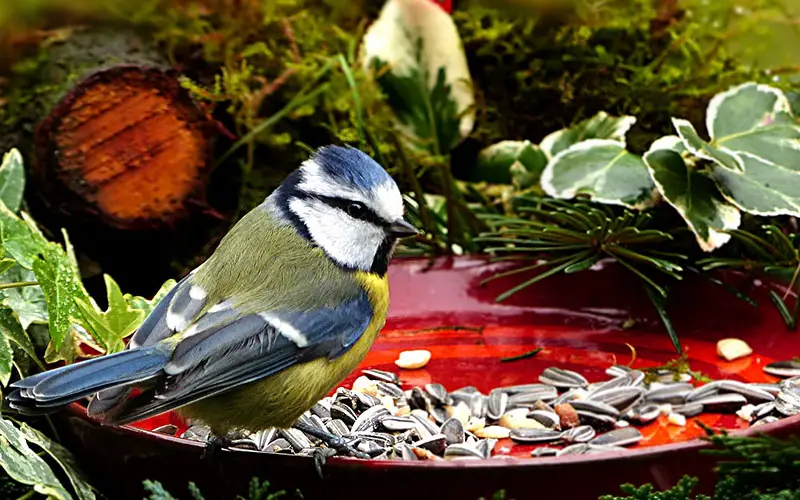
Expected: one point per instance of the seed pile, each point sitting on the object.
(563, 414)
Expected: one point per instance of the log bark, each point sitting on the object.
(120, 139)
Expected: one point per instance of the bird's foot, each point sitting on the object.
(214, 446)
(340, 445)
(321, 456)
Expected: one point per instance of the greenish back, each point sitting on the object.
(262, 265)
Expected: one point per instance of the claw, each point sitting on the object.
(214, 445)
(321, 456)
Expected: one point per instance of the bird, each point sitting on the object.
(287, 305)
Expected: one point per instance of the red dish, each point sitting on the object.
(441, 306)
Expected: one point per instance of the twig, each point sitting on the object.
(525, 355)
(17, 284)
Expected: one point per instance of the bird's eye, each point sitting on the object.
(355, 209)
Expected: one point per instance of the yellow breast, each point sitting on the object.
(279, 400)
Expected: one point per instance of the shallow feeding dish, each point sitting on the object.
(581, 323)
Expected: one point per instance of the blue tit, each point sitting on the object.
(283, 310)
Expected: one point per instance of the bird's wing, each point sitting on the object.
(224, 349)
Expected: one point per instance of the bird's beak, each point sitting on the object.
(400, 229)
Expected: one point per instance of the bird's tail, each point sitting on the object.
(114, 374)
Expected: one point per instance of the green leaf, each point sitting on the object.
(64, 458)
(763, 188)
(27, 302)
(519, 162)
(17, 238)
(418, 60)
(12, 180)
(142, 304)
(116, 323)
(750, 118)
(694, 196)
(604, 171)
(6, 360)
(61, 285)
(11, 329)
(600, 126)
(23, 465)
(659, 302)
(755, 119)
(702, 149)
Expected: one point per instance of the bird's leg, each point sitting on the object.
(333, 441)
(321, 456)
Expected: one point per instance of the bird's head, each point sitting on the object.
(345, 203)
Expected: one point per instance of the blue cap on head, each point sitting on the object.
(351, 166)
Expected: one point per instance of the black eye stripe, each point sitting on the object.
(367, 215)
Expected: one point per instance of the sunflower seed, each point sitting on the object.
(398, 424)
(382, 375)
(479, 406)
(366, 401)
(321, 411)
(766, 420)
(462, 450)
(580, 434)
(196, 433)
(296, 438)
(438, 414)
(516, 389)
(595, 407)
(485, 447)
(169, 429)
(617, 370)
(670, 394)
(244, 444)
(424, 425)
(594, 448)
(722, 403)
(280, 445)
(390, 389)
(689, 409)
(337, 427)
(437, 393)
(573, 449)
(530, 436)
(371, 448)
(596, 420)
(453, 431)
(531, 397)
(783, 369)
(406, 452)
(620, 398)
(544, 451)
(547, 418)
(343, 413)
(496, 404)
(435, 444)
(559, 377)
(753, 394)
(618, 437)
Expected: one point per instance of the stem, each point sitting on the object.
(351, 81)
(17, 284)
(424, 210)
(27, 495)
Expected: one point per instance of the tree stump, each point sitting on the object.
(120, 155)
(122, 141)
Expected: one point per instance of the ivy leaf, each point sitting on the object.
(12, 180)
(11, 329)
(600, 126)
(64, 458)
(749, 119)
(6, 360)
(23, 465)
(116, 323)
(417, 58)
(28, 302)
(142, 304)
(519, 162)
(763, 188)
(602, 170)
(694, 196)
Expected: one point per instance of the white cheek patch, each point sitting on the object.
(350, 242)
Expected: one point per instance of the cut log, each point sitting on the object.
(122, 141)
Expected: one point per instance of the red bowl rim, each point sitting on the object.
(784, 424)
